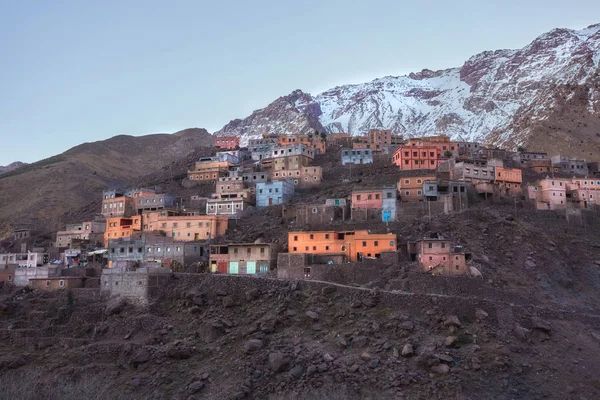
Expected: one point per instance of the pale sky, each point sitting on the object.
(80, 71)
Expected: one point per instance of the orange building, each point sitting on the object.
(442, 142)
(188, 227)
(119, 227)
(408, 157)
(355, 245)
(508, 180)
(410, 185)
(316, 142)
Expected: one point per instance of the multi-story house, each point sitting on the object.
(409, 157)
(189, 227)
(316, 141)
(571, 166)
(508, 180)
(274, 193)
(209, 169)
(293, 150)
(117, 204)
(262, 148)
(410, 184)
(357, 156)
(227, 142)
(383, 140)
(231, 203)
(161, 250)
(154, 202)
(242, 258)
(89, 230)
(120, 227)
(383, 201)
(438, 256)
(302, 177)
(354, 245)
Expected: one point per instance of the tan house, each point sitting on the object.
(242, 258)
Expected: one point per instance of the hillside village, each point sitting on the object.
(286, 181)
(372, 267)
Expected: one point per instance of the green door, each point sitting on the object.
(251, 267)
(233, 267)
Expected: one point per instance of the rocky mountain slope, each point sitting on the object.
(11, 167)
(495, 96)
(46, 192)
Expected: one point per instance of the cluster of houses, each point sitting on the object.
(141, 234)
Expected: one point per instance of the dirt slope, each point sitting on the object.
(43, 193)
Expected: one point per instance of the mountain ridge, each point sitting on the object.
(486, 99)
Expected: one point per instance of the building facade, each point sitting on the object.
(353, 245)
(357, 157)
(242, 258)
(274, 193)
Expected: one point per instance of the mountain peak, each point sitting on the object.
(481, 100)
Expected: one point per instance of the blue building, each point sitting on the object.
(273, 193)
(357, 156)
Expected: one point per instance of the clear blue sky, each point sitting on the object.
(77, 71)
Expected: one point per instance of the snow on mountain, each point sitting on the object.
(479, 101)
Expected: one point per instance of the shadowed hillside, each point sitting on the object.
(44, 192)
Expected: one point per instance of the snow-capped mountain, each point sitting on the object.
(496, 96)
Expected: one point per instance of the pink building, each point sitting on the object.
(550, 193)
(439, 257)
(372, 198)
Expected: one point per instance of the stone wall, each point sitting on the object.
(138, 286)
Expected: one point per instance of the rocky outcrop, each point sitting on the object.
(295, 113)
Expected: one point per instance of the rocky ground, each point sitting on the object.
(235, 338)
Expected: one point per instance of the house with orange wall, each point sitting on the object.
(508, 180)
(439, 257)
(354, 245)
(410, 185)
(189, 227)
(408, 157)
(367, 198)
(315, 141)
(120, 227)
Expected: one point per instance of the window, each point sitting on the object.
(61, 283)
(430, 245)
(376, 243)
(364, 244)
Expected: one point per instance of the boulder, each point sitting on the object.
(451, 341)
(480, 314)
(440, 369)
(253, 345)
(195, 387)
(408, 350)
(312, 315)
(278, 362)
(452, 321)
